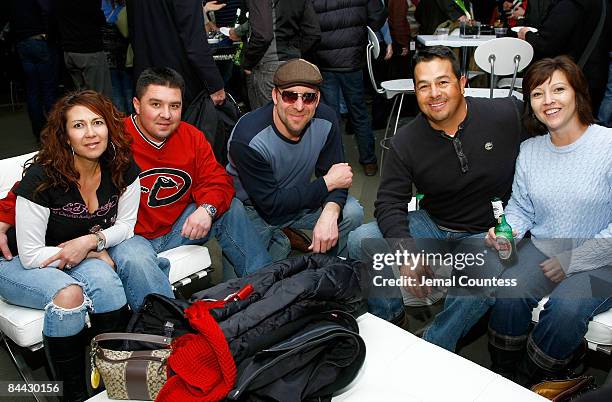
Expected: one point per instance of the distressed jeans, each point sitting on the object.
(37, 287)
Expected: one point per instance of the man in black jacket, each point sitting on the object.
(80, 24)
(279, 31)
(170, 33)
(341, 55)
(460, 153)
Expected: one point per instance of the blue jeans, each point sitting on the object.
(605, 109)
(351, 84)
(122, 90)
(39, 61)
(564, 320)
(278, 244)
(459, 313)
(37, 287)
(142, 272)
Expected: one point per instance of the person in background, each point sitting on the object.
(78, 198)
(183, 46)
(431, 13)
(116, 49)
(341, 56)
(30, 24)
(80, 24)
(567, 29)
(279, 31)
(562, 195)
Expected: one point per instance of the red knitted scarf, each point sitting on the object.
(203, 365)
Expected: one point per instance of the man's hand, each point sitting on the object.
(415, 275)
(218, 97)
(523, 31)
(213, 6)
(389, 52)
(72, 252)
(248, 72)
(6, 253)
(339, 175)
(197, 225)
(552, 269)
(102, 255)
(325, 232)
(234, 36)
(404, 51)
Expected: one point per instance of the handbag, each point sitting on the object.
(564, 390)
(130, 374)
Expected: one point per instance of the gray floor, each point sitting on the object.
(16, 138)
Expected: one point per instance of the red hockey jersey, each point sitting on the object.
(175, 173)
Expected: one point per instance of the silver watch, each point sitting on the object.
(211, 209)
(101, 242)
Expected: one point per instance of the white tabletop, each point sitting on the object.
(402, 367)
(453, 41)
(486, 92)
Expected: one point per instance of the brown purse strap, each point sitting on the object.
(127, 336)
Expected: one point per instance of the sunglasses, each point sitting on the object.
(291, 97)
(459, 152)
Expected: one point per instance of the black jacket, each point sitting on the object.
(80, 25)
(170, 33)
(291, 34)
(343, 32)
(284, 291)
(566, 29)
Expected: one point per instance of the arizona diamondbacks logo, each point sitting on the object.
(164, 185)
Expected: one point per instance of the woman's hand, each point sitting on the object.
(72, 252)
(102, 255)
(553, 270)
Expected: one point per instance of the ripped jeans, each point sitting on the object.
(36, 288)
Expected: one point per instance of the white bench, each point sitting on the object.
(24, 325)
(402, 367)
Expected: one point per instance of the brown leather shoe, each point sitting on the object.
(370, 169)
(299, 241)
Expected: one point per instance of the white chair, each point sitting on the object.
(503, 56)
(23, 326)
(389, 88)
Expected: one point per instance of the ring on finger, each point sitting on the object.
(68, 266)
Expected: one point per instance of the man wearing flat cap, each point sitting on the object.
(289, 168)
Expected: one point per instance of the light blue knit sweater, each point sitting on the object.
(566, 193)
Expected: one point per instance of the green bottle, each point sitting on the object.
(503, 232)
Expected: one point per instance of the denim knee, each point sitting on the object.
(352, 213)
(61, 321)
(355, 238)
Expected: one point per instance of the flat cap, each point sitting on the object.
(297, 72)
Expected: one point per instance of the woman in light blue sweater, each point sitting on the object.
(562, 195)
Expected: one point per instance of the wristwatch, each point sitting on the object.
(211, 209)
(101, 242)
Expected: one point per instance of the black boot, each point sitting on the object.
(66, 357)
(113, 321)
(528, 373)
(504, 362)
